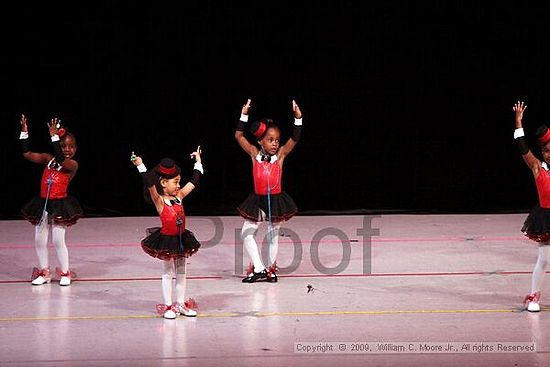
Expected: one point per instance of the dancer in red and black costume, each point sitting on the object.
(54, 208)
(269, 202)
(173, 242)
(537, 225)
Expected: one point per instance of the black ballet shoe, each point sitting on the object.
(254, 277)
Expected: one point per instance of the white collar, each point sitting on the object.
(545, 166)
(272, 158)
(169, 202)
(52, 164)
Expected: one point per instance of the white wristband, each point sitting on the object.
(198, 167)
(518, 133)
(141, 168)
(55, 138)
(24, 135)
(244, 118)
(298, 122)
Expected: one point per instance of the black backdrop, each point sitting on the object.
(407, 105)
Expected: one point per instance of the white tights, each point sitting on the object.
(540, 269)
(171, 266)
(248, 232)
(58, 238)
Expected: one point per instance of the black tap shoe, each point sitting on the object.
(254, 277)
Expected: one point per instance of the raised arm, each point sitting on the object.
(293, 140)
(250, 149)
(198, 171)
(532, 162)
(34, 157)
(149, 180)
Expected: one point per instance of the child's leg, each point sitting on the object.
(532, 299)
(273, 236)
(539, 269)
(167, 275)
(41, 242)
(58, 239)
(181, 285)
(181, 280)
(247, 235)
(42, 276)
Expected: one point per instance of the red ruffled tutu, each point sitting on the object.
(537, 224)
(64, 211)
(167, 247)
(282, 207)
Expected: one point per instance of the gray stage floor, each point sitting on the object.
(415, 290)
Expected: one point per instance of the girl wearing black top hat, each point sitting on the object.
(269, 202)
(173, 242)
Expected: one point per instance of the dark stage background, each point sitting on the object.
(407, 105)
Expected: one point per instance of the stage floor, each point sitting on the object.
(381, 290)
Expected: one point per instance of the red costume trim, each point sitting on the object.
(71, 274)
(167, 170)
(162, 308)
(546, 137)
(261, 130)
(533, 297)
(40, 273)
(273, 269)
(191, 304)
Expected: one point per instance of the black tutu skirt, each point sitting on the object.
(282, 207)
(537, 225)
(64, 211)
(167, 247)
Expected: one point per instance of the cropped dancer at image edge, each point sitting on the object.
(54, 208)
(172, 243)
(269, 203)
(537, 225)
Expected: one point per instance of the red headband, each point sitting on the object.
(546, 137)
(167, 170)
(261, 130)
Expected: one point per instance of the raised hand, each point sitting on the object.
(246, 107)
(519, 108)
(197, 154)
(54, 126)
(23, 122)
(296, 110)
(136, 160)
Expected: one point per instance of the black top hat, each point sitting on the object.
(259, 128)
(167, 168)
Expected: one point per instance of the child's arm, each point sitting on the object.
(42, 158)
(198, 171)
(532, 162)
(250, 149)
(149, 181)
(68, 164)
(291, 143)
